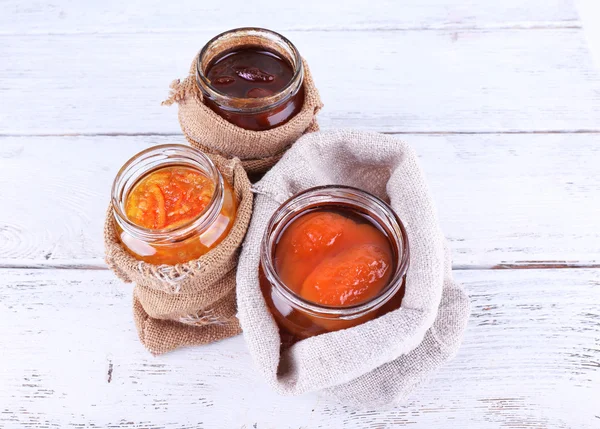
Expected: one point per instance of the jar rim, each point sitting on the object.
(153, 159)
(279, 220)
(258, 104)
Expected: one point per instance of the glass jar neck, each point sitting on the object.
(155, 158)
(336, 196)
(249, 37)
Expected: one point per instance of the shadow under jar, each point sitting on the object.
(171, 205)
(332, 257)
(252, 77)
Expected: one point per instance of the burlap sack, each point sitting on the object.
(191, 303)
(258, 150)
(380, 362)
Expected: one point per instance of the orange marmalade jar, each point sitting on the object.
(171, 205)
(332, 257)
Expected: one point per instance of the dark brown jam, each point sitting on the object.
(252, 73)
(249, 73)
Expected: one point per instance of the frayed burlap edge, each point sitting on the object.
(161, 336)
(258, 150)
(191, 303)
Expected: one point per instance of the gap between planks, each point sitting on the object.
(99, 265)
(155, 134)
(524, 25)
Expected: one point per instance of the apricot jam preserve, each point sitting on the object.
(252, 77)
(171, 205)
(331, 258)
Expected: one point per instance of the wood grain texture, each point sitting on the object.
(501, 199)
(530, 359)
(27, 17)
(396, 81)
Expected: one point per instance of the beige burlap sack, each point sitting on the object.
(380, 362)
(258, 150)
(192, 303)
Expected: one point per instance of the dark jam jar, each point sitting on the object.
(252, 77)
(332, 257)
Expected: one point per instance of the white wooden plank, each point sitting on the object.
(398, 81)
(589, 11)
(26, 17)
(70, 357)
(502, 199)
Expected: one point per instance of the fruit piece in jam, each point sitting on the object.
(354, 275)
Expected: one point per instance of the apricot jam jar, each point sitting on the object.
(331, 258)
(171, 205)
(252, 77)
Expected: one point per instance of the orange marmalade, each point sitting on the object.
(174, 212)
(169, 197)
(332, 257)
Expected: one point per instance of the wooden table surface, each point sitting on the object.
(501, 100)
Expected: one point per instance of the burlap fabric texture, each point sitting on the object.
(191, 303)
(378, 363)
(258, 150)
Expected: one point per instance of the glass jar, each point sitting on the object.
(258, 113)
(183, 242)
(299, 318)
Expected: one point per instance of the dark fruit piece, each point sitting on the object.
(253, 74)
(258, 93)
(224, 80)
